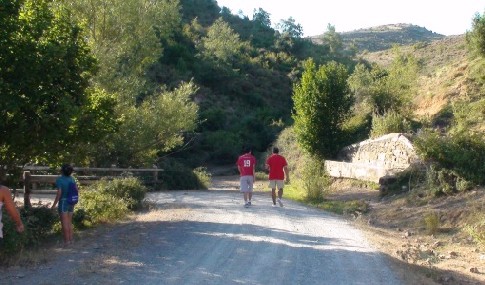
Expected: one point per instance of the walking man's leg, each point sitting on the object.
(280, 195)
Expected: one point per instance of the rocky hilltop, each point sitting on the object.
(384, 37)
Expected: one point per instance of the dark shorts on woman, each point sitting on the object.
(65, 207)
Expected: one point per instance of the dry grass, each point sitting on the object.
(443, 77)
(422, 235)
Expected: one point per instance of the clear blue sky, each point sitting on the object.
(446, 17)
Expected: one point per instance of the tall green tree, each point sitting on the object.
(476, 37)
(46, 104)
(322, 103)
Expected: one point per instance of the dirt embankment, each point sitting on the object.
(396, 225)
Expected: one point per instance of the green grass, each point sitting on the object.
(294, 193)
(297, 194)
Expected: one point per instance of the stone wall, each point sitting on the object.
(374, 158)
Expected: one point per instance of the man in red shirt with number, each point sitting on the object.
(278, 171)
(246, 165)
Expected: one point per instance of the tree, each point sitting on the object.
(222, 44)
(262, 35)
(322, 102)
(383, 90)
(157, 125)
(126, 36)
(45, 69)
(291, 28)
(289, 36)
(262, 18)
(334, 41)
(476, 37)
(130, 38)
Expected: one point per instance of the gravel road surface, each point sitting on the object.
(208, 237)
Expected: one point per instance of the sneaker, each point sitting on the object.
(279, 202)
(274, 205)
(246, 205)
(249, 203)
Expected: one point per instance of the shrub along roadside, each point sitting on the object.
(102, 202)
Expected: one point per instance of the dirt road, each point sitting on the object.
(208, 237)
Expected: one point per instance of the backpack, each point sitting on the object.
(72, 193)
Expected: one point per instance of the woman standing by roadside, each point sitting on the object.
(64, 208)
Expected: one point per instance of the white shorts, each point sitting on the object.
(246, 183)
(276, 183)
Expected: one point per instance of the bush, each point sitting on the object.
(97, 206)
(203, 177)
(407, 180)
(130, 189)
(390, 122)
(459, 155)
(224, 145)
(104, 201)
(477, 231)
(315, 180)
(39, 224)
(432, 223)
(177, 176)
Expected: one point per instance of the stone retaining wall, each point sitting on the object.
(374, 158)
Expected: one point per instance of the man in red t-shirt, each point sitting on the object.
(246, 165)
(278, 171)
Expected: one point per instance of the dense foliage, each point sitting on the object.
(476, 37)
(46, 101)
(323, 102)
(183, 82)
(461, 153)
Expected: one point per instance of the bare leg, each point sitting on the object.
(250, 195)
(66, 227)
(71, 230)
(280, 193)
(273, 195)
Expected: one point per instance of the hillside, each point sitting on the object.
(444, 72)
(398, 223)
(384, 37)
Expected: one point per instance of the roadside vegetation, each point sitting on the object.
(106, 201)
(183, 85)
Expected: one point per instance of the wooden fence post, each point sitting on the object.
(155, 178)
(27, 189)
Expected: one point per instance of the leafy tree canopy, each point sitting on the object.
(46, 65)
(476, 37)
(322, 103)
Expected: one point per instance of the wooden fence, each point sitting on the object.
(32, 182)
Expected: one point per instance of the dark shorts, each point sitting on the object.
(65, 207)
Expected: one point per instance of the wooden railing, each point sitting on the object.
(30, 181)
